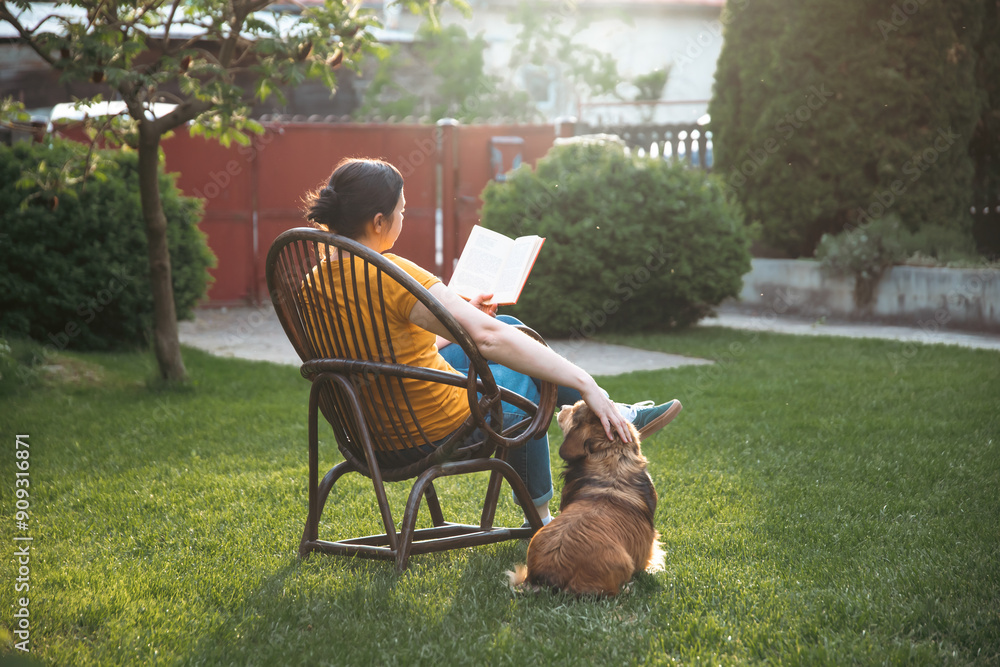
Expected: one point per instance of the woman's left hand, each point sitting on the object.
(480, 303)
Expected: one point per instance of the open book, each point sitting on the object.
(495, 264)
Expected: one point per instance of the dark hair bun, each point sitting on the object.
(325, 207)
(329, 195)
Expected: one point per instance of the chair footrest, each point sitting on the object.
(425, 540)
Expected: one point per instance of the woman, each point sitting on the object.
(364, 201)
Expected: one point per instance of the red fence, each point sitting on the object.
(253, 193)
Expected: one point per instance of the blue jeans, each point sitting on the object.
(531, 462)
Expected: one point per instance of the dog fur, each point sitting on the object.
(604, 532)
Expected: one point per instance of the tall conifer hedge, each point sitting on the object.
(827, 114)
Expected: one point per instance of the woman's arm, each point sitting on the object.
(503, 344)
(480, 303)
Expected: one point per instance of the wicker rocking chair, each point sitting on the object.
(362, 393)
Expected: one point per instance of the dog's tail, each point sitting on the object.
(518, 580)
(657, 556)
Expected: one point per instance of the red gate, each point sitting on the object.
(253, 193)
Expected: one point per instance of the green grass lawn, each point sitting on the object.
(822, 501)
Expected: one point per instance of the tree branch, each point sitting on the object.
(25, 34)
(169, 24)
(186, 111)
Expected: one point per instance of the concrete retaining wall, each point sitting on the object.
(917, 296)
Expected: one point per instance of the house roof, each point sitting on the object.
(378, 5)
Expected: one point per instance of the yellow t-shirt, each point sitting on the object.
(440, 408)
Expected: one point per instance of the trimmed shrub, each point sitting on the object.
(867, 252)
(864, 253)
(74, 269)
(828, 114)
(631, 242)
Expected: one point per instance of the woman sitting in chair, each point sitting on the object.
(364, 201)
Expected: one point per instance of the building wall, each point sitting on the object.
(641, 36)
(911, 295)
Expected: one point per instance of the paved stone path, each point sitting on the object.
(735, 319)
(254, 333)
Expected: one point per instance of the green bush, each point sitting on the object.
(631, 242)
(74, 270)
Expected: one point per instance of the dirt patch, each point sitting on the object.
(66, 370)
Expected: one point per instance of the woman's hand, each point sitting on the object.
(615, 425)
(480, 303)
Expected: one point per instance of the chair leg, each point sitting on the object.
(500, 466)
(311, 532)
(492, 499)
(434, 505)
(326, 486)
(408, 526)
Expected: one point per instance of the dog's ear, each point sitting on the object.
(565, 415)
(576, 445)
(580, 426)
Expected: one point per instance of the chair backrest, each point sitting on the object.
(346, 339)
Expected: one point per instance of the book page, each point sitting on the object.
(481, 262)
(516, 269)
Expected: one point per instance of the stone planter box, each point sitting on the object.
(909, 295)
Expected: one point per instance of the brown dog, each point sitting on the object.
(604, 532)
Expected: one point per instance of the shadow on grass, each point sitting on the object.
(338, 610)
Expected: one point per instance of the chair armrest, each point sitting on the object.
(542, 418)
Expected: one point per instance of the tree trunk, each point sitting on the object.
(166, 341)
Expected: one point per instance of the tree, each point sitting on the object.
(441, 75)
(985, 145)
(205, 57)
(649, 88)
(546, 45)
(828, 115)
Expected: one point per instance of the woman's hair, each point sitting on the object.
(357, 190)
